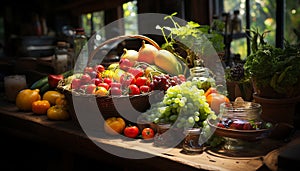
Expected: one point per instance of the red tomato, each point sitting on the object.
(141, 81)
(96, 81)
(133, 89)
(115, 91)
(105, 85)
(131, 131)
(75, 83)
(99, 68)
(125, 64)
(144, 89)
(107, 80)
(137, 72)
(147, 133)
(115, 84)
(88, 69)
(85, 78)
(127, 79)
(90, 89)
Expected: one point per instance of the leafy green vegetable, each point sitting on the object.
(274, 67)
(191, 41)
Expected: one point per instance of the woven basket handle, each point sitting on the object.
(93, 53)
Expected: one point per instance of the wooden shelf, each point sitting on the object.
(69, 137)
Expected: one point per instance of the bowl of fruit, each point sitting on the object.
(239, 123)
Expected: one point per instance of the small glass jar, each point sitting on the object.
(13, 84)
(61, 59)
(240, 116)
(199, 72)
(241, 110)
(191, 141)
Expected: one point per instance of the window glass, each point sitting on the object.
(130, 17)
(292, 22)
(262, 16)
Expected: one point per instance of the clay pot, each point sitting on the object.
(237, 89)
(280, 112)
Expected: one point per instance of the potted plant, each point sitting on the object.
(276, 78)
(192, 41)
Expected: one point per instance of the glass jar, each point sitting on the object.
(237, 117)
(199, 72)
(241, 110)
(80, 49)
(61, 58)
(13, 84)
(191, 141)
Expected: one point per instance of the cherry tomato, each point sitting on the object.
(144, 89)
(88, 69)
(90, 88)
(127, 79)
(141, 81)
(85, 78)
(75, 83)
(133, 89)
(107, 80)
(105, 85)
(131, 131)
(96, 81)
(99, 68)
(115, 84)
(147, 133)
(115, 91)
(125, 64)
(137, 72)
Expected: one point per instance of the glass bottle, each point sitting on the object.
(61, 58)
(80, 48)
(199, 72)
(236, 22)
(227, 21)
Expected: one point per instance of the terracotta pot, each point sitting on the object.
(280, 112)
(237, 89)
(265, 91)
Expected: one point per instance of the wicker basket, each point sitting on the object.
(128, 107)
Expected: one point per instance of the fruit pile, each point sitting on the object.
(136, 73)
(240, 124)
(51, 103)
(118, 126)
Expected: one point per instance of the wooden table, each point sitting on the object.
(68, 137)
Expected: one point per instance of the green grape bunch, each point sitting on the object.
(183, 106)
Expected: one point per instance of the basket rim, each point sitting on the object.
(74, 93)
(138, 36)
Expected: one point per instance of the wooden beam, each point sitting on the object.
(86, 6)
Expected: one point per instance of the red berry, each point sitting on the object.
(247, 126)
(220, 125)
